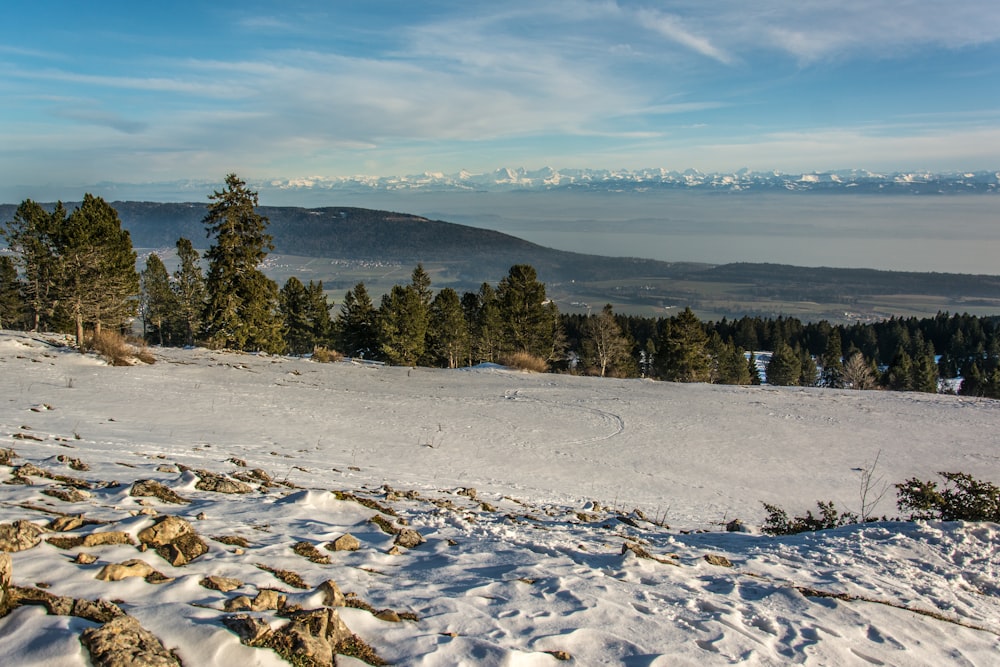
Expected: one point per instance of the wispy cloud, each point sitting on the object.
(673, 28)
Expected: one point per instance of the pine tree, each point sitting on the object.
(530, 322)
(294, 306)
(448, 333)
(899, 375)
(925, 370)
(729, 364)
(683, 350)
(159, 305)
(808, 372)
(97, 281)
(356, 329)
(833, 366)
(482, 315)
(32, 236)
(785, 367)
(319, 314)
(604, 346)
(242, 307)
(189, 286)
(12, 307)
(402, 326)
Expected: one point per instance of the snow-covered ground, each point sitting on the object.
(525, 488)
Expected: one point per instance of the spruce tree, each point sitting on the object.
(356, 329)
(899, 375)
(189, 286)
(159, 305)
(32, 236)
(97, 281)
(530, 322)
(785, 367)
(447, 333)
(925, 370)
(683, 350)
(833, 366)
(482, 315)
(319, 314)
(402, 326)
(294, 306)
(242, 303)
(12, 307)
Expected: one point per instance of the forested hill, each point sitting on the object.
(364, 234)
(478, 255)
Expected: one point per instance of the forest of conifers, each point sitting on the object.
(76, 272)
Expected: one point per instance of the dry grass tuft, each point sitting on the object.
(118, 350)
(325, 355)
(526, 362)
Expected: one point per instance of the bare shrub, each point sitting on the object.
(525, 361)
(325, 355)
(858, 374)
(118, 350)
(112, 346)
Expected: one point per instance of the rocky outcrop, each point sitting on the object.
(19, 535)
(124, 643)
(174, 539)
(146, 488)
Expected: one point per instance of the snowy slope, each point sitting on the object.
(531, 562)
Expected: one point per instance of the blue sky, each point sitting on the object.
(157, 91)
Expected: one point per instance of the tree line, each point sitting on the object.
(76, 271)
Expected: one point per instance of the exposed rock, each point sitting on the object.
(311, 637)
(222, 584)
(84, 558)
(75, 464)
(364, 502)
(345, 542)
(332, 595)
(20, 535)
(736, 526)
(257, 475)
(64, 524)
(174, 539)
(409, 538)
(250, 629)
(307, 550)
(232, 540)
(718, 559)
(210, 481)
(468, 492)
(238, 603)
(388, 615)
(394, 550)
(135, 567)
(560, 655)
(6, 576)
(386, 526)
(98, 611)
(7, 456)
(92, 540)
(642, 553)
(268, 598)
(124, 643)
(152, 488)
(67, 495)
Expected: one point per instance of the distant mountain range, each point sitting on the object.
(744, 180)
(299, 191)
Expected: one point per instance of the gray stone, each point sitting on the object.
(409, 538)
(6, 576)
(346, 542)
(332, 595)
(20, 535)
(221, 584)
(122, 642)
(268, 599)
(220, 483)
(152, 488)
(135, 567)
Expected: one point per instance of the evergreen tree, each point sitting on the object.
(729, 364)
(530, 321)
(97, 281)
(899, 375)
(604, 346)
(159, 305)
(319, 314)
(189, 285)
(356, 329)
(482, 314)
(752, 369)
(402, 326)
(32, 236)
(12, 307)
(293, 304)
(242, 305)
(925, 371)
(785, 367)
(808, 372)
(683, 350)
(448, 333)
(833, 366)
